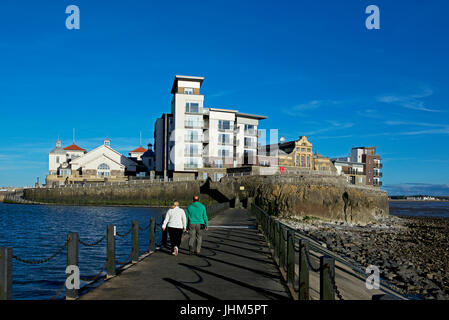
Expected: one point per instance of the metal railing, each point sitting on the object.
(119, 183)
(290, 251)
(109, 269)
(298, 254)
(72, 246)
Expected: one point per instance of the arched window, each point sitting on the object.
(103, 170)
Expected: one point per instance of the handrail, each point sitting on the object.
(316, 246)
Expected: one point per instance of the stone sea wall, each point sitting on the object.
(151, 194)
(327, 197)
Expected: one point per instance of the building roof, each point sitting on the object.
(186, 78)
(253, 116)
(138, 150)
(57, 151)
(74, 147)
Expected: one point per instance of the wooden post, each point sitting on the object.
(303, 293)
(291, 258)
(281, 248)
(135, 242)
(72, 260)
(327, 265)
(110, 251)
(5, 273)
(152, 247)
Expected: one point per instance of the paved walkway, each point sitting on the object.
(235, 264)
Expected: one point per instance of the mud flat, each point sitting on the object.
(412, 253)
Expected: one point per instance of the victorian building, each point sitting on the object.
(74, 164)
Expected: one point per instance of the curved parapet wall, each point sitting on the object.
(327, 197)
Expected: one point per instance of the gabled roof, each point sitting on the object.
(57, 151)
(74, 147)
(105, 156)
(139, 150)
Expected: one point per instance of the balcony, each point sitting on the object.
(195, 111)
(378, 174)
(197, 139)
(225, 143)
(250, 145)
(377, 184)
(191, 166)
(226, 128)
(193, 153)
(378, 165)
(194, 124)
(251, 132)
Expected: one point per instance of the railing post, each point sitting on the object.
(303, 293)
(135, 242)
(327, 266)
(152, 247)
(281, 248)
(110, 251)
(291, 258)
(5, 273)
(72, 261)
(276, 242)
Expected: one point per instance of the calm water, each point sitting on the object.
(420, 208)
(36, 232)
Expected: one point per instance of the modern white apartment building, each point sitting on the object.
(192, 138)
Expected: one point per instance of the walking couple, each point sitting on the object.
(177, 221)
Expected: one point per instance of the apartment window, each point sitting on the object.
(192, 163)
(188, 91)
(249, 143)
(224, 138)
(57, 159)
(219, 163)
(308, 162)
(192, 150)
(249, 127)
(193, 136)
(223, 153)
(297, 160)
(192, 107)
(302, 161)
(224, 124)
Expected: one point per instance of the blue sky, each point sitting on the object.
(310, 66)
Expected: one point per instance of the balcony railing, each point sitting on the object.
(250, 145)
(194, 124)
(378, 174)
(198, 111)
(193, 153)
(198, 138)
(251, 132)
(378, 184)
(225, 142)
(378, 165)
(226, 129)
(191, 165)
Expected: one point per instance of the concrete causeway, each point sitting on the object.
(234, 264)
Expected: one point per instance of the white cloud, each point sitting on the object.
(411, 101)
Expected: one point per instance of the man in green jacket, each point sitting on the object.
(196, 220)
